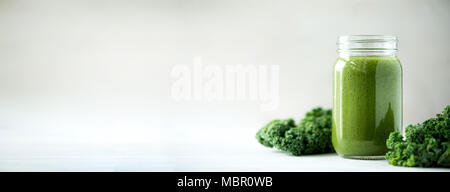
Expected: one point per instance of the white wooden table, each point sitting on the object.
(177, 157)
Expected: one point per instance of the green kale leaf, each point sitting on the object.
(426, 144)
(311, 135)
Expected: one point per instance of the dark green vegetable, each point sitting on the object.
(312, 135)
(273, 133)
(426, 144)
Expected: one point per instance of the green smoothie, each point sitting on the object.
(367, 104)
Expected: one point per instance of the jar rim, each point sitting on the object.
(367, 43)
(366, 38)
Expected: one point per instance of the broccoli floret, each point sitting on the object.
(426, 144)
(312, 135)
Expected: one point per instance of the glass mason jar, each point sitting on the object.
(367, 95)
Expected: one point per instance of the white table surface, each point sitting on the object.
(178, 157)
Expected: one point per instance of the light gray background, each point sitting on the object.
(92, 78)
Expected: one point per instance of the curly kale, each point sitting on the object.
(311, 135)
(272, 134)
(426, 144)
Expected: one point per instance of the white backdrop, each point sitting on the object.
(97, 73)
